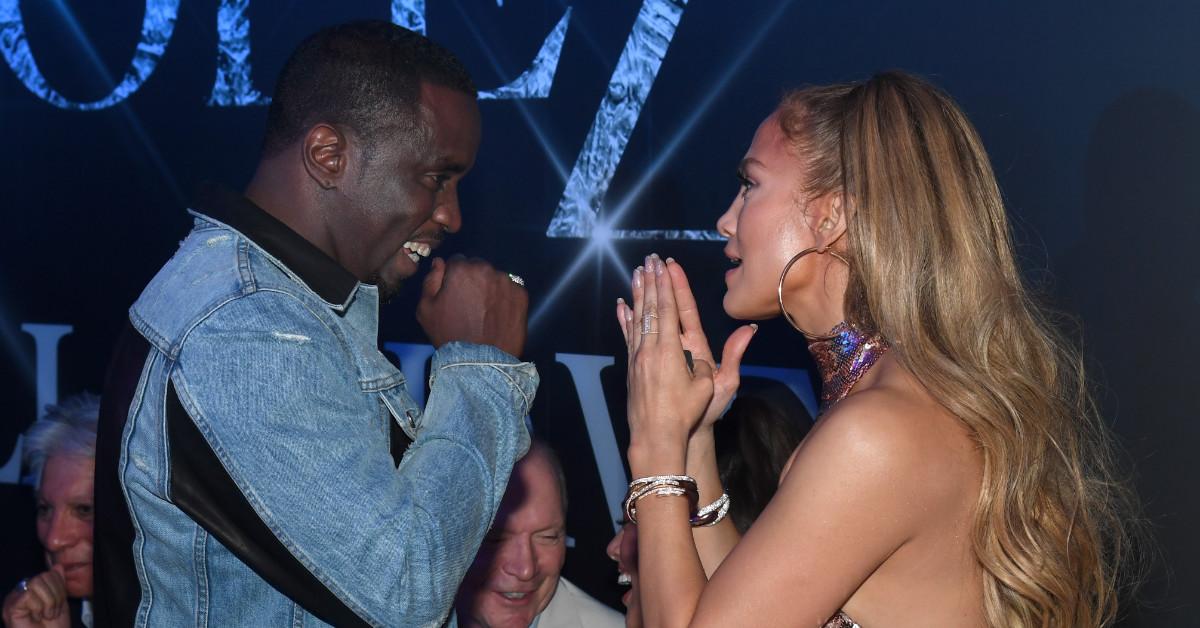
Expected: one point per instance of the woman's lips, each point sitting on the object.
(73, 569)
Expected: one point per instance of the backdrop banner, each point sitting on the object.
(612, 129)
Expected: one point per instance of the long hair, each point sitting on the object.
(933, 271)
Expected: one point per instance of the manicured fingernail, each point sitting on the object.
(621, 300)
(670, 260)
(628, 315)
(658, 266)
(754, 327)
(637, 277)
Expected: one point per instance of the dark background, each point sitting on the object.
(1089, 111)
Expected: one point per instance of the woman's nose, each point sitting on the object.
(614, 546)
(63, 532)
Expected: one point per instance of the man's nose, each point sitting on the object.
(518, 559)
(448, 213)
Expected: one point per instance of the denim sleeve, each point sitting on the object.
(273, 390)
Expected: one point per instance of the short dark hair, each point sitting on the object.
(366, 75)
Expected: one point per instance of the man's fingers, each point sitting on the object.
(433, 281)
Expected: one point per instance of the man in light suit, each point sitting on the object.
(514, 581)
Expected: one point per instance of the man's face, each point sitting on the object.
(64, 519)
(402, 192)
(516, 571)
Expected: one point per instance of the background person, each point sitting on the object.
(59, 453)
(515, 579)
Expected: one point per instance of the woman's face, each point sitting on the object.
(623, 549)
(769, 222)
(64, 519)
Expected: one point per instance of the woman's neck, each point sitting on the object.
(843, 359)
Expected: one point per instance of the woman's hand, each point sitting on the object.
(726, 379)
(40, 603)
(666, 401)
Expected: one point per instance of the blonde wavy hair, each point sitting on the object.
(933, 271)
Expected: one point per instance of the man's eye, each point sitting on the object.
(84, 511)
(43, 511)
(440, 180)
(550, 539)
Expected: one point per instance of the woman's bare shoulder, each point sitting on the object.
(893, 429)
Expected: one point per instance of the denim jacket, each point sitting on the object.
(289, 401)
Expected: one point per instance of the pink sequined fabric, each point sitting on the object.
(844, 359)
(841, 621)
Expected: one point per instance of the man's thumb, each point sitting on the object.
(433, 281)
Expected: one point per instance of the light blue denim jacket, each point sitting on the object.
(294, 398)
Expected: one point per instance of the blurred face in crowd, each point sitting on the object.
(623, 549)
(516, 571)
(64, 519)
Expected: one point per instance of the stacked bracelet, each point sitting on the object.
(713, 513)
(669, 485)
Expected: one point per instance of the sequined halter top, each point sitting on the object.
(843, 359)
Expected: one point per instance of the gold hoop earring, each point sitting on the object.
(787, 267)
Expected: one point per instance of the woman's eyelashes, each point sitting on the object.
(745, 183)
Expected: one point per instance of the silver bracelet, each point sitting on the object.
(666, 485)
(713, 513)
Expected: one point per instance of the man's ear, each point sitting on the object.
(326, 151)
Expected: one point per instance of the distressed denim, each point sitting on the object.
(294, 398)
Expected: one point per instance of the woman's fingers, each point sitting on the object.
(624, 316)
(693, 338)
(668, 312)
(735, 348)
(650, 323)
(639, 303)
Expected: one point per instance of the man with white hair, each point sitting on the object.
(515, 580)
(60, 450)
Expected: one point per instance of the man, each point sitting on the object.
(59, 453)
(514, 581)
(257, 464)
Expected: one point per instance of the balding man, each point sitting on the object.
(514, 581)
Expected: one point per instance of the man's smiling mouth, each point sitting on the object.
(417, 250)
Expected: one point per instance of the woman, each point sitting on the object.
(958, 474)
(60, 452)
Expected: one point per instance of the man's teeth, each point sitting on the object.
(417, 250)
(514, 595)
(624, 579)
